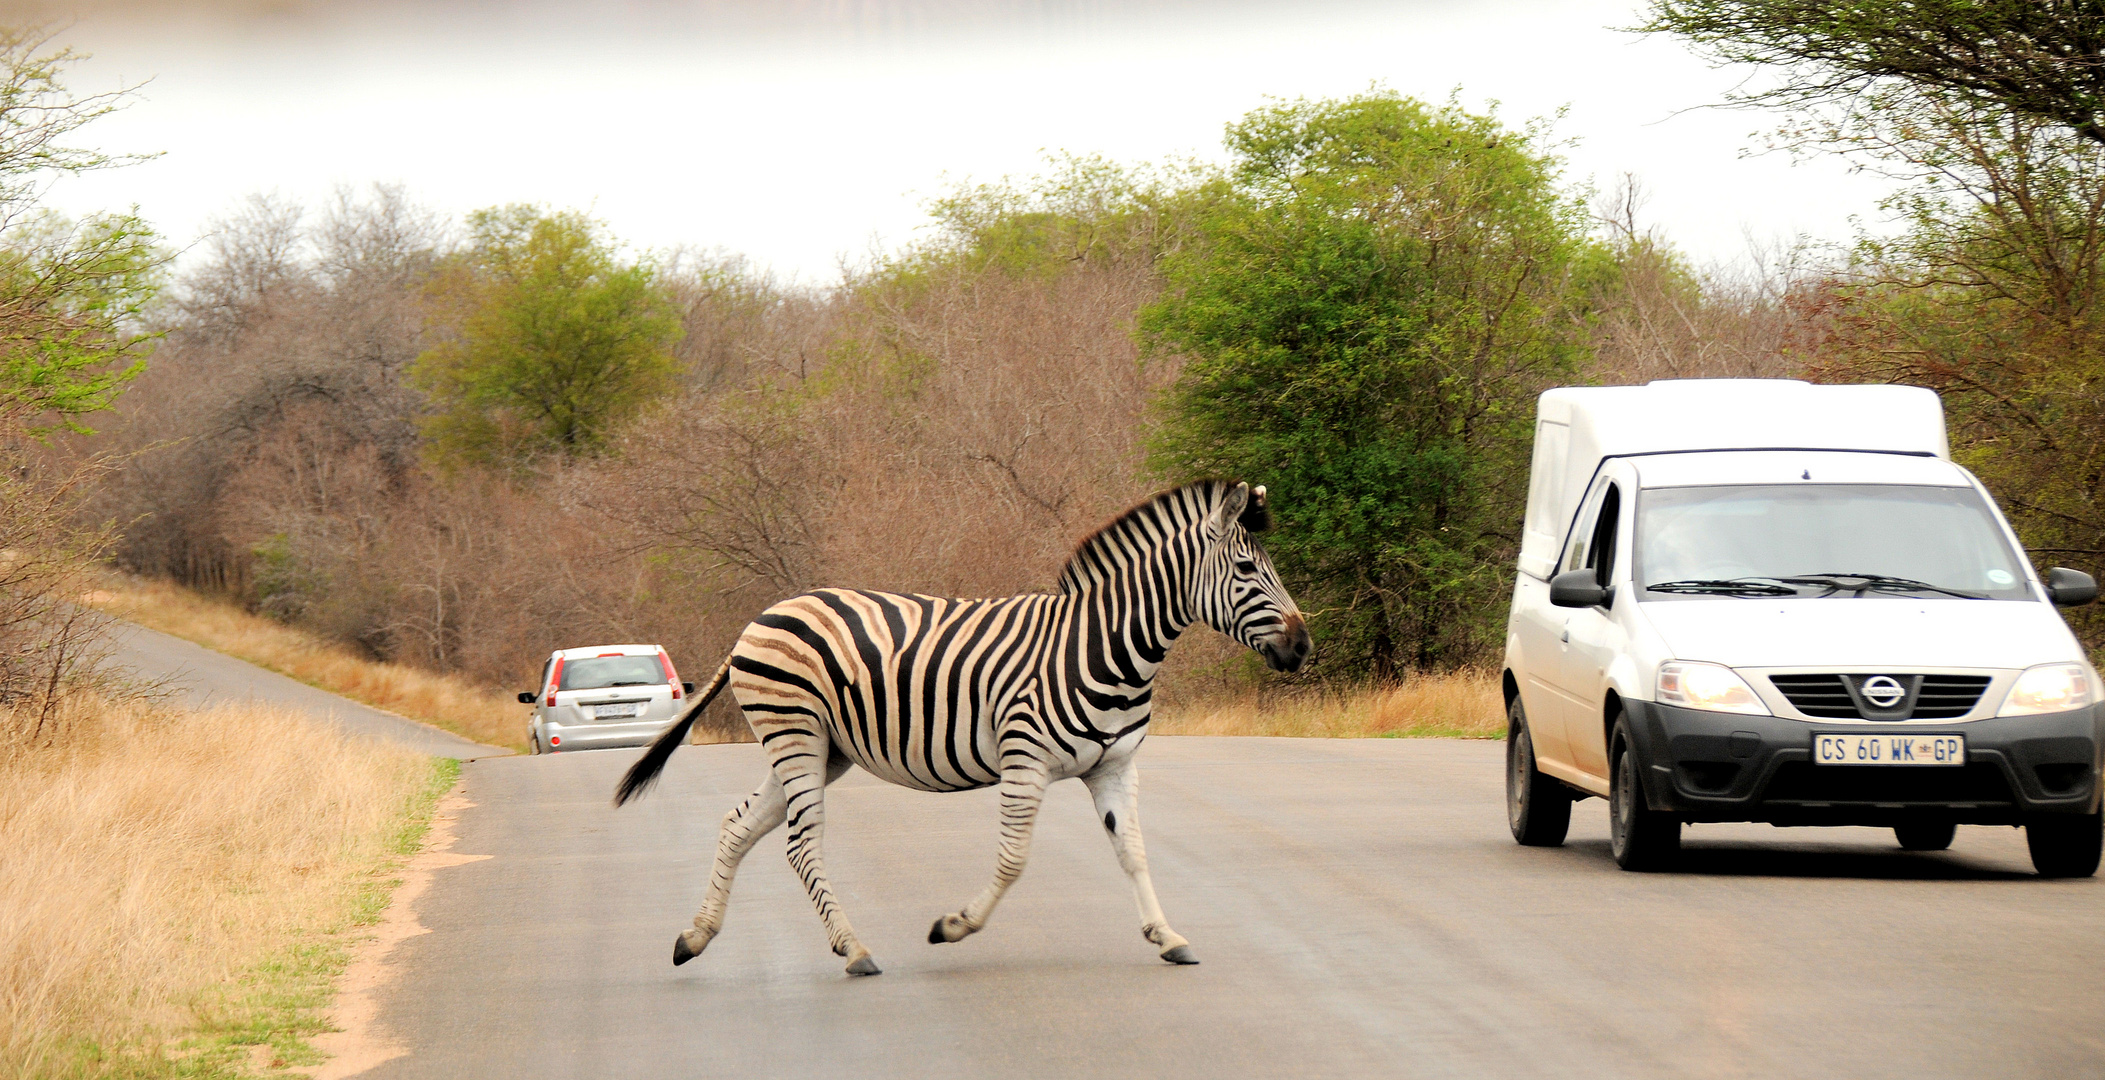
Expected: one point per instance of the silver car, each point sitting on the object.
(602, 696)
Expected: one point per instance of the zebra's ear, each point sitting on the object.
(1231, 508)
(1257, 517)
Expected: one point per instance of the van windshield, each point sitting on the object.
(1840, 540)
(597, 671)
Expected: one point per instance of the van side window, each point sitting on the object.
(1600, 556)
(1585, 532)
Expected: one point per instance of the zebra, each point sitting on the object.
(951, 695)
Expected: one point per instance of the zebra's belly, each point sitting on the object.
(911, 759)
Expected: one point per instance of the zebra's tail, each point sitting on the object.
(645, 772)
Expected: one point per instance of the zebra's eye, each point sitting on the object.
(1245, 566)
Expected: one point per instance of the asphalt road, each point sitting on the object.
(1358, 905)
(200, 678)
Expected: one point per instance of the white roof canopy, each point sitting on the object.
(1578, 427)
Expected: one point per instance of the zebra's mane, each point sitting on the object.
(1174, 503)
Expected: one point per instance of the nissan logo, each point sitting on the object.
(1883, 691)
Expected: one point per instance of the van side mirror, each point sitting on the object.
(2068, 588)
(526, 697)
(1578, 588)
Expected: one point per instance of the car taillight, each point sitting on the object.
(555, 679)
(555, 740)
(671, 676)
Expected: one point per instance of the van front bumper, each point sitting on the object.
(1708, 766)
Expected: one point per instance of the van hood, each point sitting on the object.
(1865, 632)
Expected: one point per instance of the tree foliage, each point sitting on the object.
(1365, 321)
(1992, 290)
(70, 291)
(1993, 293)
(1084, 210)
(70, 294)
(558, 341)
(2040, 58)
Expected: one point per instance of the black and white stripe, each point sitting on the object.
(950, 695)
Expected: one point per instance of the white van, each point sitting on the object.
(1765, 600)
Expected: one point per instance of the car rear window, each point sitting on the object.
(597, 671)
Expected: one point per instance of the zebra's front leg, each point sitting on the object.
(752, 819)
(1116, 792)
(1022, 791)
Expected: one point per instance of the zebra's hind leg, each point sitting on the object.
(743, 827)
(1116, 792)
(1022, 790)
(795, 758)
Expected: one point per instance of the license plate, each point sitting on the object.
(1884, 749)
(623, 711)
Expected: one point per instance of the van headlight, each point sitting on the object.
(1710, 687)
(2050, 688)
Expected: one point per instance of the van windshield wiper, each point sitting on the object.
(1832, 581)
(1734, 587)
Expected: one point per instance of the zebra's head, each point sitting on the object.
(1237, 590)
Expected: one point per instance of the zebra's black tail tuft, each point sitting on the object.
(644, 772)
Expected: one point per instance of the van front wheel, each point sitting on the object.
(1640, 838)
(2065, 845)
(1538, 809)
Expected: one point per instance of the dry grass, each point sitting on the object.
(180, 888)
(1463, 704)
(447, 701)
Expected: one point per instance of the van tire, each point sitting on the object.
(2065, 845)
(1639, 837)
(1925, 835)
(1538, 809)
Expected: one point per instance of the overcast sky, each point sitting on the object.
(804, 131)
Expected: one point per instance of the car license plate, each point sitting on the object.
(1885, 749)
(624, 711)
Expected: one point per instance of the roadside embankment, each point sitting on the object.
(1461, 704)
(181, 889)
(447, 701)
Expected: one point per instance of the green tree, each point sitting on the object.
(70, 294)
(1365, 322)
(70, 291)
(2039, 58)
(1992, 289)
(558, 341)
(1992, 293)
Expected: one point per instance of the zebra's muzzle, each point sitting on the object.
(1288, 649)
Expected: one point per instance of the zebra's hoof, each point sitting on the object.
(864, 965)
(947, 929)
(1180, 955)
(683, 950)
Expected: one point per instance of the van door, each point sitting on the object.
(1592, 637)
(1537, 654)
(1543, 633)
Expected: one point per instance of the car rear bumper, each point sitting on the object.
(562, 738)
(1707, 766)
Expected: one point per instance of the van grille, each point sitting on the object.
(1945, 696)
(1817, 695)
(1940, 697)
